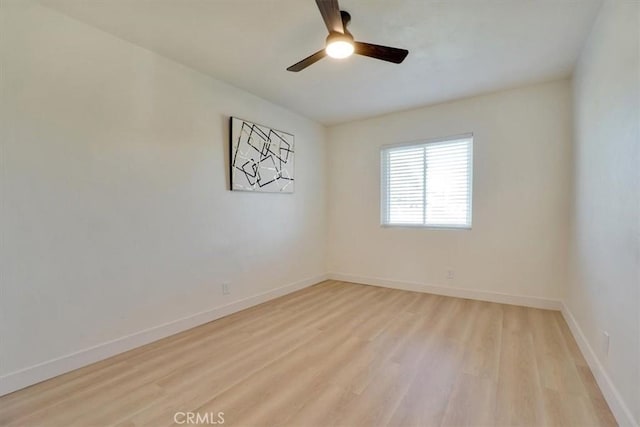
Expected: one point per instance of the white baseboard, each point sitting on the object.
(52, 368)
(526, 301)
(620, 410)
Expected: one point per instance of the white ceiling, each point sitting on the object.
(457, 48)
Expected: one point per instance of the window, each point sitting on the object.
(428, 184)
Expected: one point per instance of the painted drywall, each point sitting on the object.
(116, 214)
(604, 288)
(517, 245)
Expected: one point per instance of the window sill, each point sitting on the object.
(428, 227)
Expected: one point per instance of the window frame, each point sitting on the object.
(384, 190)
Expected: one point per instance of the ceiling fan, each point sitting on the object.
(340, 43)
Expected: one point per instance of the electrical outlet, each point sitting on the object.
(225, 288)
(451, 274)
(605, 343)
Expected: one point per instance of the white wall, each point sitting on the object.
(604, 290)
(115, 211)
(520, 211)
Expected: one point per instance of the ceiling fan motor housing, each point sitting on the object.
(338, 37)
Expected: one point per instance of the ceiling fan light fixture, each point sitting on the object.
(339, 46)
(340, 43)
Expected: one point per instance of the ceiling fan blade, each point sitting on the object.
(309, 60)
(330, 11)
(385, 53)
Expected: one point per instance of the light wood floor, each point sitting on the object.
(338, 354)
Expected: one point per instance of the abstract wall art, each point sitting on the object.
(262, 159)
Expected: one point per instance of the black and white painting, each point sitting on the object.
(262, 159)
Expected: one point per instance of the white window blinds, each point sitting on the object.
(428, 184)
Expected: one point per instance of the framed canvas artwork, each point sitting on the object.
(262, 159)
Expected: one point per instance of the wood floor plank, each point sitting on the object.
(568, 409)
(337, 354)
(519, 394)
(323, 408)
(425, 402)
(555, 365)
(471, 402)
(483, 354)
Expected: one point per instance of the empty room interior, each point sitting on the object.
(319, 213)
